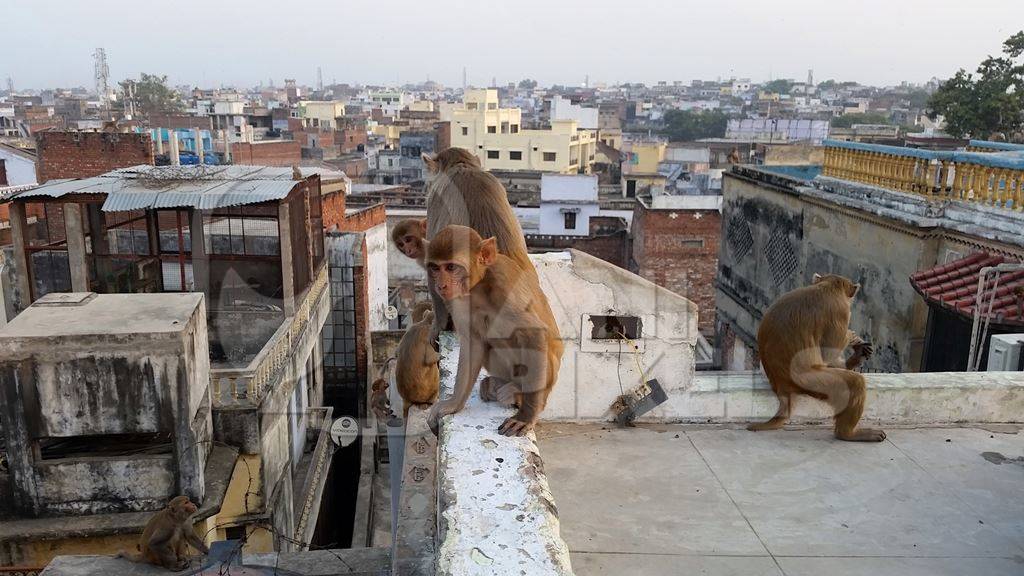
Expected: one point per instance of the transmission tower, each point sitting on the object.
(10, 86)
(319, 79)
(102, 74)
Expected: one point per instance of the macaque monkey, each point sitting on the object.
(166, 537)
(801, 342)
(416, 371)
(503, 322)
(464, 194)
(379, 401)
(410, 236)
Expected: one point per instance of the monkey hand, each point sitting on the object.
(861, 351)
(438, 411)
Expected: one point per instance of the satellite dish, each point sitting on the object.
(344, 431)
(391, 312)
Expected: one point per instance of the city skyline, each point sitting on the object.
(878, 44)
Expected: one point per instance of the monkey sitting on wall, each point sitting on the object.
(166, 537)
(801, 342)
(460, 192)
(503, 322)
(416, 371)
(410, 237)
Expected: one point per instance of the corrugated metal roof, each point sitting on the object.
(204, 187)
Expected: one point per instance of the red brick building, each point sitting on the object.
(267, 153)
(677, 248)
(87, 154)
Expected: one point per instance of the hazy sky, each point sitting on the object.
(214, 42)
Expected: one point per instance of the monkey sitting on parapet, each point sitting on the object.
(410, 236)
(416, 370)
(460, 192)
(504, 324)
(166, 537)
(801, 341)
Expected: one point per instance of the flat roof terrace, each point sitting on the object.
(719, 500)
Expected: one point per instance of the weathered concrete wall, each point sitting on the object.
(775, 240)
(70, 366)
(497, 514)
(578, 286)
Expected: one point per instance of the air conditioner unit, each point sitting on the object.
(1006, 353)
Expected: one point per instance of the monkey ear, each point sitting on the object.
(488, 251)
(430, 162)
(816, 279)
(423, 225)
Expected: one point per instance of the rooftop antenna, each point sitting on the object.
(463, 78)
(102, 76)
(319, 79)
(10, 87)
(586, 81)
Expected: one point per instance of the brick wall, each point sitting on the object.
(179, 121)
(85, 154)
(362, 306)
(678, 250)
(363, 220)
(350, 139)
(333, 207)
(612, 248)
(277, 153)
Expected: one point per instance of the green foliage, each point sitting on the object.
(527, 84)
(989, 102)
(848, 120)
(151, 95)
(689, 125)
(780, 86)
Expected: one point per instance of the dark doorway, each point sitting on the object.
(947, 341)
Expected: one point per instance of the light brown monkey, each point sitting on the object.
(801, 342)
(410, 236)
(419, 310)
(461, 193)
(166, 537)
(416, 371)
(379, 401)
(504, 324)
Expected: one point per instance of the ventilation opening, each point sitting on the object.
(106, 445)
(615, 327)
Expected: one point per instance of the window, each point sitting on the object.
(570, 220)
(492, 105)
(515, 155)
(493, 155)
(549, 156)
(515, 128)
(492, 129)
(630, 188)
(615, 327)
(504, 127)
(470, 105)
(690, 243)
(465, 130)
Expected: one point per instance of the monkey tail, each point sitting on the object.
(129, 556)
(384, 368)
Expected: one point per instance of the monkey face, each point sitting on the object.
(181, 507)
(410, 246)
(451, 279)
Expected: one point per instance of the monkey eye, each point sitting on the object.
(451, 267)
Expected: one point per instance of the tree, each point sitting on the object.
(688, 125)
(527, 84)
(780, 86)
(151, 95)
(989, 102)
(848, 120)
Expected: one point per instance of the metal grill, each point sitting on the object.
(781, 258)
(739, 237)
(340, 368)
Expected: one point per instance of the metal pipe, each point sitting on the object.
(974, 355)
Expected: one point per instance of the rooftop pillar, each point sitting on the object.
(287, 266)
(19, 229)
(77, 265)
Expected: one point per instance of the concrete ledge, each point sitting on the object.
(415, 547)
(497, 514)
(905, 399)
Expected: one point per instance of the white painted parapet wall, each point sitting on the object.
(496, 513)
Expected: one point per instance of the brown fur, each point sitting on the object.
(411, 231)
(801, 342)
(419, 310)
(463, 194)
(416, 371)
(504, 324)
(379, 401)
(166, 537)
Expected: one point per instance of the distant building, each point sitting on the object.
(564, 109)
(766, 130)
(497, 137)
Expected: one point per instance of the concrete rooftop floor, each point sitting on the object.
(659, 500)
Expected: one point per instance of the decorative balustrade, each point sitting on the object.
(247, 386)
(992, 179)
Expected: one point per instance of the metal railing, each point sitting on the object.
(247, 386)
(989, 179)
